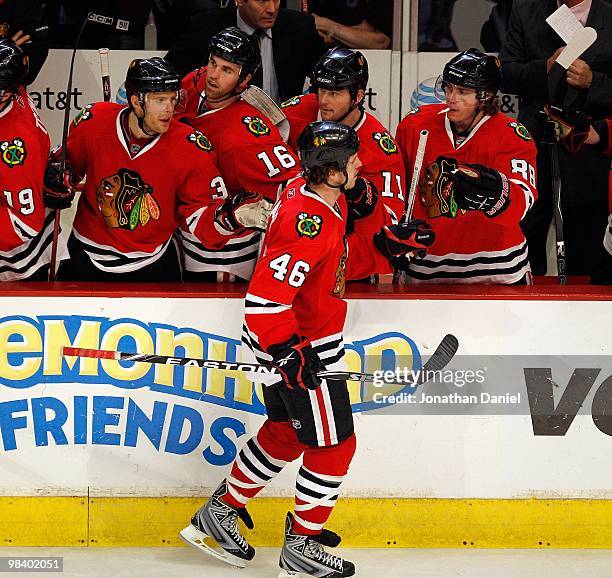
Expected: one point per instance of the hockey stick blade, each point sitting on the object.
(440, 359)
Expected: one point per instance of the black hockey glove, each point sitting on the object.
(571, 126)
(58, 188)
(298, 363)
(479, 188)
(361, 199)
(406, 237)
(243, 210)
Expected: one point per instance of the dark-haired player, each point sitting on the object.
(478, 178)
(294, 318)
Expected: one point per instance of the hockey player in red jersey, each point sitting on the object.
(478, 178)
(146, 173)
(251, 153)
(294, 318)
(340, 80)
(27, 227)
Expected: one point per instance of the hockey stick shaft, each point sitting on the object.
(556, 190)
(440, 358)
(398, 276)
(416, 172)
(105, 74)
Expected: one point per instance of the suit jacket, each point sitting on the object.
(295, 44)
(530, 41)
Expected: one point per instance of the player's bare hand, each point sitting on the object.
(20, 37)
(579, 74)
(551, 60)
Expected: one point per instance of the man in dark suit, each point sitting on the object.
(289, 43)
(529, 52)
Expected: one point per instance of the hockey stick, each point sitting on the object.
(105, 73)
(260, 99)
(410, 199)
(440, 358)
(416, 171)
(549, 141)
(556, 190)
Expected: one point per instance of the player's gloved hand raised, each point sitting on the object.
(243, 210)
(361, 199)
(58, 188)
(571, 126)
(405, 237)
(480, 188)
(298, 363)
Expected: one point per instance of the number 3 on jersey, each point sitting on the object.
(283, 156)
(280, 266)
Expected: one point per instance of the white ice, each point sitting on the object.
(184, 562)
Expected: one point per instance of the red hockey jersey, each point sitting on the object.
(130, 207)
(27, 227)
(382, 162)
(470, 247)
(252, 155)
(299, 280)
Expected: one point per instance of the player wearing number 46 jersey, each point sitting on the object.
(478, 178)
(27, 228)
(146, 174)
(251, 153)
(294, 317)
(339, 81)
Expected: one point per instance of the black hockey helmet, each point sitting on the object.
(325, 144)
(341, 68)
(472, 69)
(233, 45)
(13, 65)
(151, 75)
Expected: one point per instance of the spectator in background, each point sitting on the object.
(24, 21)
(353, 23)
(288, 41)
(528, 54)
(493, 33)
(435, 17)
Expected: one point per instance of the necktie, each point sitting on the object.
(258, 77)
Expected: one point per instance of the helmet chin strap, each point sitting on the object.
(140, 119)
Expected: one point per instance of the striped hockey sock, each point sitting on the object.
(318, 484)
(260, 460)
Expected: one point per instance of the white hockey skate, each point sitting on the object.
(304, 555)
(219, 521)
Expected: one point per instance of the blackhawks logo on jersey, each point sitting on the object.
(520, 130)
(13, 152)
(200, 141)
(256, 125)
(385, 142)
(293, 101)
(126, 201)
(308, 225)
(85, 114)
